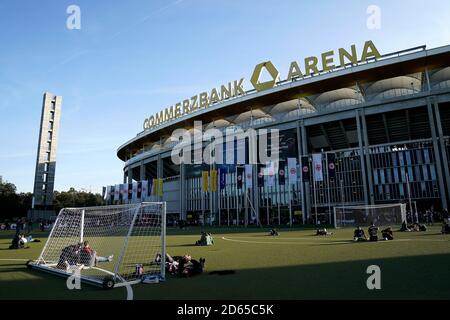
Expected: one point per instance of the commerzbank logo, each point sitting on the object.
(273, 72)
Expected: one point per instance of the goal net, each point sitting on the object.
(380, 215)
(107, 246)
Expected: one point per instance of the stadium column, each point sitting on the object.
(142, 171)
(442, 149)
(367, 158)
(361, 155)
(440, 177)
(306, 195)
(130, 175)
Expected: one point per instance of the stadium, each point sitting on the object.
(380, 121)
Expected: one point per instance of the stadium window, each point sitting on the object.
(48, 156)
(50, 125)
(44, 177)
(46, 167)
(49, 146)
(52, 115)
(49, 136)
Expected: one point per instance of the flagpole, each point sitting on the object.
(328, 185)
(315, 195)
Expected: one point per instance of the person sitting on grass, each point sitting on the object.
(387, 234)
(17, 242)
(445, 228)
(89, 257)
(323, 232)
(273, 232)
(359, 235)
(373, 232)
(205, 240)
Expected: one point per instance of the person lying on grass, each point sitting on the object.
(323, 232)
(183, 266)
(273, 232)
(359, 235)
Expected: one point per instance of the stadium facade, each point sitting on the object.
(380, 123)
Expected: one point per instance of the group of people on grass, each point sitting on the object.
(372, 231)
(183, 266)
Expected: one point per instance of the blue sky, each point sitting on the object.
(133, 58)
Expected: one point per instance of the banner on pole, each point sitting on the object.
(331, 159)
(281, 174)
(317, 165)
(249, 176)
(261, 177)
(213, 180)
(222, 174)
(144, 189)
(305, 168)
(270, 171)
(292, 170)
(205, 178)
(239, 176)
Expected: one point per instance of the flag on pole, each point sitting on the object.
(116, 192)
(160, 187)
(213, 180)
(139, 190)
(150, 187)
(270, 171)
(130, 191)
(155, 187)
(317, 165)
(281, 174)
(331, 159)
(135, 189)
(305, 168)
(239, 176)
(108, 193)
(205, 178)
(123, 192)
(261, 177)
(144, 189)
(249, 176)
(222, 174)
(292, 170)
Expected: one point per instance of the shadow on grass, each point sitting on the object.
(417, 277)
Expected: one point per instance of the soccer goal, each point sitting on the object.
(107, 246)
(381, 215)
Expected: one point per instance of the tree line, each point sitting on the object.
(14, 204)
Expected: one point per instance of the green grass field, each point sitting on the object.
(295, 265)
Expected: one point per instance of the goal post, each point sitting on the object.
(109, 246)
(364, 215)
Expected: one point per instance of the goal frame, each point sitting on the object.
(367, 207)
(117, 281)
